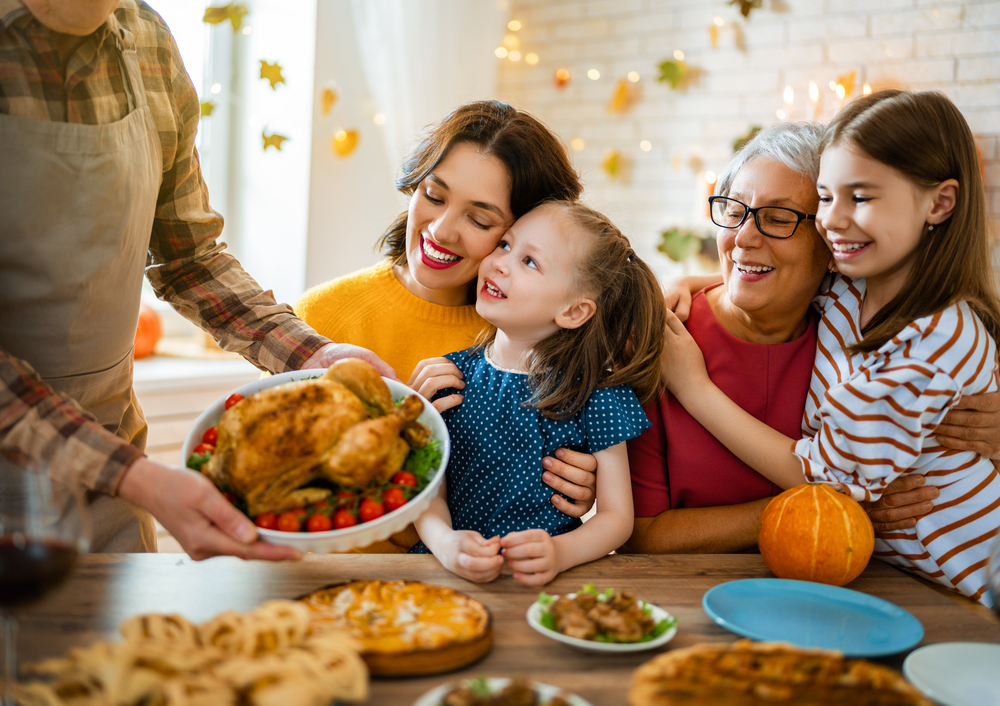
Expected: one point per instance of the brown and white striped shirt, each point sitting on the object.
(870, 418)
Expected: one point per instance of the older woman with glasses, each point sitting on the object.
(758, 334)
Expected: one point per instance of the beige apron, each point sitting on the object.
(77, 207)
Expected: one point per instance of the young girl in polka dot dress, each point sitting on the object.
(578, 333)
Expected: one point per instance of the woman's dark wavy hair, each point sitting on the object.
(620, 344)
(536, 160)
(926, 138)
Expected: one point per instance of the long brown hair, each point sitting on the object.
(620, 344)
(536, 161)
(926, 138)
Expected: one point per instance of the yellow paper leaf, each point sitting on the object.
(344, 142)
(234, 12)
(327, 99)
(611, 163)
(271, 72)
(713, 33)
(206, 108)
(273, 140)
(621, 98)
(847, 81)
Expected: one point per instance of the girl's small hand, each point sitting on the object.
(435, 374)
(468, 554)
(532, 556)
(574, 474)
(682, 364)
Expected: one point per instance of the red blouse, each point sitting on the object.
(677, 463)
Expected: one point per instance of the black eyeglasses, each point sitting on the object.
(772, 221)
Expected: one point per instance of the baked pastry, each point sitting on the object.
(747, 673)
(405, 628)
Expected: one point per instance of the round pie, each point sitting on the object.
(747, 673)
(406, 628)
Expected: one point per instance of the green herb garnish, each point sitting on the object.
(422, 462)
(196, 461)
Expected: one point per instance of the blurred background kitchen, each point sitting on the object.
(309, 106)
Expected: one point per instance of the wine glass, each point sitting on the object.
(43, 525)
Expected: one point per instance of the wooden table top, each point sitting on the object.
(105, 589)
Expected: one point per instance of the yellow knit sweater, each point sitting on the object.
(372, 309)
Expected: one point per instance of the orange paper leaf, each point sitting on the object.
(344, 142)
(327, 99)
(621, 98)
(220, 13)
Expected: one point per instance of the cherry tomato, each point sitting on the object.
(319, 523)
(370, 510)
(344, 518)
(321, 506)
(230, 497)
(211, 436)
(393, 498)
(344, 497)
(404, 478)
(289, 522)
(300, 512)
(233, 399)
(203, 448)
(266, 520)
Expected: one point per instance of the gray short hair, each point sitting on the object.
(796, 145)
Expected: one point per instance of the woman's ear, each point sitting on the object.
(576, 315)
(944, 197)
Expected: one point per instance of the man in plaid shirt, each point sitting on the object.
(101, 181)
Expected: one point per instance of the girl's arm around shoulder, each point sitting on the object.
(537, 558)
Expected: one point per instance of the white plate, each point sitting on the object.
(544, 691)
(658, 614)
(956, 673)
(360, 535)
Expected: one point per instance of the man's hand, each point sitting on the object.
(196, 513)
(532, 555)
(973, 425)
(574, 474)
(332, 352)
(903, 502)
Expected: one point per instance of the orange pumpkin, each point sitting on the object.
(148, 332)
(813, 533)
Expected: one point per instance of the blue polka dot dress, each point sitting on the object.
(497, 444)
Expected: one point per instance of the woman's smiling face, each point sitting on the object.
(456, 217)
(768, 279)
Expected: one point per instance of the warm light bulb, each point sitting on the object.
(789, 94)
(379, 118)
(841, 91)
(578, 143)
(645, 145)
(780, 113)
(710, 177)
(633, 76)
(216, 88)
(531, 58)
(718, 21)
(247, 30)
(679, 55)
(866, 89)
(833, 86)
(510, 41)
(813, 91)
(593, 74)
(514, 55)
(340, 136)
(513, 25)
(500, 52)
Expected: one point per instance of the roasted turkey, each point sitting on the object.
(341, 427)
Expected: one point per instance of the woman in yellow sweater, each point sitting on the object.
(476, 172)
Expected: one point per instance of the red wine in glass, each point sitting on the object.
(30, 567)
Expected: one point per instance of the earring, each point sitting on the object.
(930, 228)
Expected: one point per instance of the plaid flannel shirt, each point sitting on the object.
(186, 264)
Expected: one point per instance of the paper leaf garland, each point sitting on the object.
(847, 81)
(271, 72)
(621, 97)
(206, 108)
(680, 243)
(612, 163)
(220, 13)
(673, 72)
(327, 99)
(344, 142)
(745, 138)
(713, 34)
(746, 6)
(273, 140)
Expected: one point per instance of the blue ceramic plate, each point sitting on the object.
(812, 615)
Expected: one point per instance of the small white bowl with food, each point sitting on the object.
(602, 621)
(325, 461)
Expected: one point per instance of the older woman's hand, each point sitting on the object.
(573, 474)
(904, 501)
(974, 425)
(682, 365)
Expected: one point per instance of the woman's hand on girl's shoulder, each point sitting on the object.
(469, 555)
(532, 556)
(435, 374)
(573, 474)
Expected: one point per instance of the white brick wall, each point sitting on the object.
(944, 45)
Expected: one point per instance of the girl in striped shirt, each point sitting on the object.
(909, 325)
